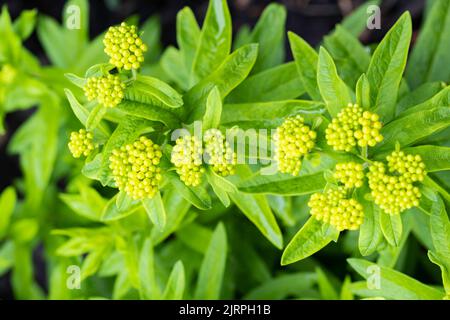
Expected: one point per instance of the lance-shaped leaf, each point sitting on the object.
(268, 114)
(215, 40)
(284, 184)
(312, 237)
(333, 90)
(306, 59)
(211, 118)
(269, 33)
(256, 209)
(431, 48)
(175, 285)
(188, 35)
(226, 77)
(440, 235)
(386, 67)
(411, 128)
(155, 210)
(278, 83)
(350, 56)
(392, 284)
(392, 227)
(212, 269)
(370, 234)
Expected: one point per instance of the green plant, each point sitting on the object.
(161, 204)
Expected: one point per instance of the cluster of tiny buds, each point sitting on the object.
(218, 153)
(293, 140)
(409, 166)
(187, 158)
(81, 143)
(392, 193)
(351, 174)
(334, 208)
(108, 90)
(124, 47)
(353, 126)
(135, 168)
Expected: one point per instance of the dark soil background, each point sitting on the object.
(311, 19)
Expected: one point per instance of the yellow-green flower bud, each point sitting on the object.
(332, 207)
(411, 167)
(351, 174)
(392, 193)
(135, 168)
(352, 127)
(108, 90)
(81, 143)
(293, 140)
(124, 47)
(187, 158)
(218, 153)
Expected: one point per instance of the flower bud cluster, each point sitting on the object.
(334, 208)
(108, 90)
(124, 47)
(293, 140)
(81, 143)
(135, 168)
(218, 153)
(353, 127)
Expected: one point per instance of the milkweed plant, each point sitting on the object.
(215, 169)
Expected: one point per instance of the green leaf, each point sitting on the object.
(148, 112)
(226, 77)
(156, 92)
(176, 208)
(327, 291)
(215, 40)
(442, 98)
(212, 269)
(173, 65)
(391, 226)
(411, 128)
(220, 186)
(431, 48)
(269, 34)
(333, 90)
(363, 92)
(256, 209)
(356, 22)
(370, 234)
(82, 113)
(156, 211)
(350, 56)
(418, 96)
(188, 35)
(283, 287)
(25, 23)
(195, 195)
(95, 116)
(7, 204)
(386, 68)
(440, 234)
(175, 285)
(278, 83)
(393, 284)
(148, 288)
(284, 184)
(86, 204)
(52, 38)
(211, 118)
(312, 237)
(268, 114)
(306, 59)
